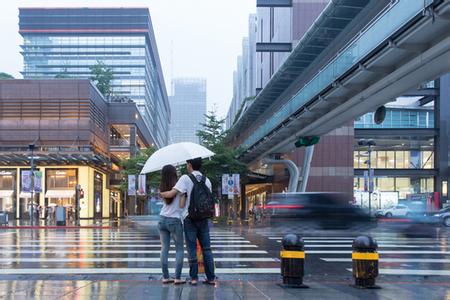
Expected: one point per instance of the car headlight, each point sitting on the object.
(436, 215)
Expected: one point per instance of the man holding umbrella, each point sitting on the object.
(200, 207)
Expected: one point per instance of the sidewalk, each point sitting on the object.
(43, 224)
(145, 289)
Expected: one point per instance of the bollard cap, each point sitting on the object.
(293, 241)
(364, 243)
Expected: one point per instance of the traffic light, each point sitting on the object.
(81, 193)
(307, 141)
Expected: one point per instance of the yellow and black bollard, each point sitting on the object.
(365, 262)
(292, 261)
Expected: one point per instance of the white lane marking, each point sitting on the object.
(83, 246)
(63, 252)
(42, 271)
(128, 259)
(105, 241)
(332, 239)
(379, 246)
(417, 272)
(6, 233)
(393, 260)
(381, 252)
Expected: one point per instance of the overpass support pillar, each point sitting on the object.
(309, 151)
(292, 168)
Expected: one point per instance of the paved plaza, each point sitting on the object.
(117, 262)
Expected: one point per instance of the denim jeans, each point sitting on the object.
(171, 227)
(194, 230)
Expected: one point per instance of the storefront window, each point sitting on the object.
(7, 191)
(404, 187)
(427, 185)
(60, 185)
(385, 184)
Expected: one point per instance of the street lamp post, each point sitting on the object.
(31, 148)
(369, 143)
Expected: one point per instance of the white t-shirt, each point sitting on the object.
(173, 210)
(185, 185)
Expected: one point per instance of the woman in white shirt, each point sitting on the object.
(170, 225)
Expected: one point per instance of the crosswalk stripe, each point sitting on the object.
(393, 260)
(417, 272)
(381, 252)
(42, 271)
(129, 259)
(128, 241)
(409, 242)
(62, 252)
(82, 246)
(380, 245)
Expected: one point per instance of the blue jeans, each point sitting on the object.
(171, 227)
(194, 230)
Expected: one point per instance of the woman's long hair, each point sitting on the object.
(168, 180)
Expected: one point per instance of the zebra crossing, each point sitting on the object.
(398, 255)
(120, 252)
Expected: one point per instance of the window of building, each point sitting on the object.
(404, 187)
(385, 184)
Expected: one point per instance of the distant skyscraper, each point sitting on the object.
(66, 42)
(188, 106)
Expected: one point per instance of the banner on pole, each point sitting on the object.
(131, 185)
(141, 185)
(38, 181)
(231, 184)
(25, 180)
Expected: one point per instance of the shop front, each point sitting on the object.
(55, 186)
(8, 180)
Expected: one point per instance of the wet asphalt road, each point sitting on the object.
(244, 254)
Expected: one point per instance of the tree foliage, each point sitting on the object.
(133, 166)
(224, 161)
(102, 76)
(6, 76)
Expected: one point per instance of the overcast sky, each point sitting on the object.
(206, 37)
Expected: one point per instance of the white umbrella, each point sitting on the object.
(176, 155)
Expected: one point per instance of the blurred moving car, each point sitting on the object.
(443, 216)
(329, 210)
(399, 210)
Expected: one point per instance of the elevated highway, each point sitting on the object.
(404, 45)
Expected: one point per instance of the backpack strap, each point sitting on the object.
(194, 180)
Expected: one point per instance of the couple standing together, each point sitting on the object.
(188, 205)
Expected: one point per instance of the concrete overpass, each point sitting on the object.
(403, 45)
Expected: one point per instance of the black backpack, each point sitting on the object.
(201, 204)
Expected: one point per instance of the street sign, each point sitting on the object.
(231, 184)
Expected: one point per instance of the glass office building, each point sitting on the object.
(66, 42)
(188, 104)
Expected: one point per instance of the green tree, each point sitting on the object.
(224, 161)
(133, 166)
(5, 76)
(102, 76)
(212, 133)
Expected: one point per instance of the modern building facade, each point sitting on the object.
(410, 156)
(244, 78)
(188, 106)
(67, 42)
(75, 133)
(279, 29)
